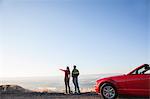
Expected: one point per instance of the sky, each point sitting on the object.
(38, 37)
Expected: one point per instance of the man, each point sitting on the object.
(75, 74)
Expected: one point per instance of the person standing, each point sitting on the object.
(75, 74)
(67, 79)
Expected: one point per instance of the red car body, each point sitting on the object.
(136, 83)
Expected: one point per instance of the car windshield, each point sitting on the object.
(145, 69)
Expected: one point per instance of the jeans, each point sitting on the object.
(75, 82)
(67, 86)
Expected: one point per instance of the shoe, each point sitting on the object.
(75, 93)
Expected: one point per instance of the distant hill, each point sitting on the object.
(12, 89)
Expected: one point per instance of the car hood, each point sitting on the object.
(110, 77)
(117, 76)
(113, 77)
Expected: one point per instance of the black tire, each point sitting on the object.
(108, 91)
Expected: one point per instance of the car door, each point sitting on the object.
(138, 83)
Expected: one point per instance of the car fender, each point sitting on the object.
(108, 81)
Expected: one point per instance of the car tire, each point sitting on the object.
(108, 91)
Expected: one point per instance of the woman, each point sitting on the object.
(67, 79)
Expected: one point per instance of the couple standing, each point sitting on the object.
(75, 74)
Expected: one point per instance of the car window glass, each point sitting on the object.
(140, 71)
(135, 72)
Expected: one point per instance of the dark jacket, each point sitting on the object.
(75, 73)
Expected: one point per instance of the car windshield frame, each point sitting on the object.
(136, 70)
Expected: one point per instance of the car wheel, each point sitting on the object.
(108, 91)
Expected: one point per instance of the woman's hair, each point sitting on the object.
(68, 69)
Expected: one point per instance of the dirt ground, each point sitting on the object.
(58, 96)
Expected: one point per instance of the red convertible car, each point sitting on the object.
(136, 83)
